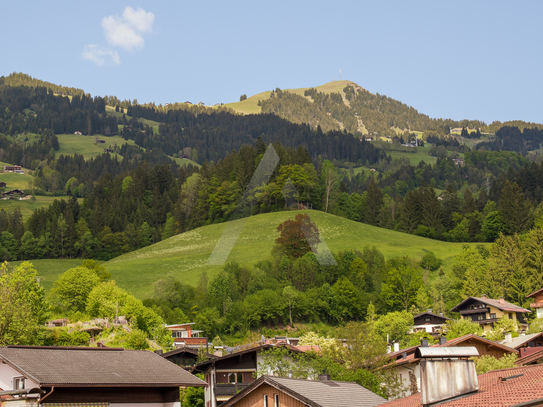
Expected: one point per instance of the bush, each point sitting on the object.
(136, 340)
(486, 363)
(431, 261)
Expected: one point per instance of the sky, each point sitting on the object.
(460, 60)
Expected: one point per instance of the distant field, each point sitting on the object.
(28, 206)
(414, 158)
(14, 180)
(152, 123)
(49, 270)
(185, 162)
(250, 105)
(184, 256)
(71, 144)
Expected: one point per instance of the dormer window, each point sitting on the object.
(18, 383)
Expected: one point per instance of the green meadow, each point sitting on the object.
(71, 144)
(185, 256)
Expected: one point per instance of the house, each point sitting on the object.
(407, 365)
(538, 302)
(270, 391)
(429, 322)
(185, 356)
(184, 335)
(13, 194)
(486, 311)
(12, 168)
(227, 375)
(458, 161)
(530, 358)
(77, 132)
(515, 387)
(101, 141)
(114, 377)
(2, 184)
(108, 150)
(524, 344)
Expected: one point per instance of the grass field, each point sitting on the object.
(152, 123)
(28, 206)
(14, 180)
(250, 105)
(414, 158)
(71, 144)
(49, 270)
(184, 257)
(182, 161)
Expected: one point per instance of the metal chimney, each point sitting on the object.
(396, 346)
(442, 340)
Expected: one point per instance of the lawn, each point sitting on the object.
(184, 256)
(49, 270)
(14, 180)
(414, 158)
(28, 206)
(184, 161)
(71, 144)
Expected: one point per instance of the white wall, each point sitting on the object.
(7, 373)
(405, 376)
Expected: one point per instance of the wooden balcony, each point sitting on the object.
(536, 305)
(474, 311)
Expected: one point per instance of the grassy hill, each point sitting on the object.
(185, 256)
(71, 144)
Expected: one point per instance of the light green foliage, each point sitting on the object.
(536, 326)
(127, 184)
(430, 261)
(290, 294)
(394, 324)
(73, 287)
(345, 302)
(503, 325)
(62, 337)
(193, 396)
(98, 269)
(136, 339)
(312, 339)
(457, 328)
(23, 309)
(486, 363)
(401, 286)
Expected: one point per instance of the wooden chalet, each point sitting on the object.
(487, 311)
(102, 377)
(429, 322)
(227, 375)
(406, 364)
(538, 302)
(270, 391)
(13, 194)
(12, 168)
(524, 344)
(184, 336)
(2, 184)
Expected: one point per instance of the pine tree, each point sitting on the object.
(514, 209)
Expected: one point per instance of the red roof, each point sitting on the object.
(493, 391)
(534, 293)
(532, 358)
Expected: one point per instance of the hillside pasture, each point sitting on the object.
(71, 144)
(27, 206)
(184, 256)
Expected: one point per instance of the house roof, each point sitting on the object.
(410, 352)
(530, 359)
(521, 340)
(432, 314)
(186, 349)
(72, 367)
(506, 306)
(316, 393)
(493, 391)
(202, 366)
(534, 293)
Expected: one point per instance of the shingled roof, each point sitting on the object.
(72, 367)
(505, 306)
(316, 393)
(521, 385)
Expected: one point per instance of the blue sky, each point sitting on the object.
(463, 59)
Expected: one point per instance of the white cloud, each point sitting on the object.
(100, 55)
(126, 31)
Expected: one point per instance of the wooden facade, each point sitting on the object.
(256, 398)
(113, 395)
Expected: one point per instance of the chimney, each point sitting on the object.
(290, 374)
(324, 376)
(442, 340)
(441, 314)
(508, 337)
(502, 300)
(404, 355)
(484, 296)
(424, 343)
(430, 310)
(388, 349)
(159, 352)
(522, 333)
(396, 346)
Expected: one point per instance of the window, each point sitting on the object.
(492, 316)
(480, 317)
(510, 315)
(265, 400)
(18, 383)
(276, 400)
(235, 377)
(427, 319)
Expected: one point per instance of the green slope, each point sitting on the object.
(184, 256)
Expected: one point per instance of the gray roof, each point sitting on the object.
(65, 366)
(317, 393)
(505, 306)
(520, 340)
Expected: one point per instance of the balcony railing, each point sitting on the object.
(536, 305)
(474, 311)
